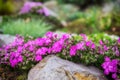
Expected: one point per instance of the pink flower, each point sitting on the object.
(13, 62)
(47, 41)
(93, 46)
(42, 51)
(49, 34)
(80, 46)
(105, 47)
(38, 58)
(28, 6)
(19, 41)
(31, 48)
(73, 50)
(39, 41)
(114, 76)
(107, 59)
(85, 38)
(19, 49)
(101, 42)
(110, 66)
(65, 36)
(88, 43)
(44, 11)
(118, 40)
(58, 46)
(15, 58)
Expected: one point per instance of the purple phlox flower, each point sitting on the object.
(58, 46)
(73, 50)
(44, 11)
(18, 41)
(1, 49)
(49, 50)
(30, 45)
(42, 51)
(15, 58)
(88, 43)
(65, 36)
(114, 76)
(28, 6)
(105, 48)
(31, 42)
(43, 41)
(47, 41)
(100, 50)
(38, 57)
(80, 46)
(110, 66)
(31, 48)
(93, 46)
(20, 58)
(49, 34)
(101, 42)
(84, 37)
(19, 49)
(116, 50)
(107, 59)
(118, 40)
(13, 62)
(39, 41)
(15, 54)
(7, 47)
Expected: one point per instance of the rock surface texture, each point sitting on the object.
(6, 39)
(55, 68)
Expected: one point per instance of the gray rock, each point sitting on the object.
(107, 8)
(6, 39)
(55, 68)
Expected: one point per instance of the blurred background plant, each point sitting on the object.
(10, 6)
(115, 26)
(30, 27)
(90, 21)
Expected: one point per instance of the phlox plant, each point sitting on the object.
(25, 54)
(36, 7)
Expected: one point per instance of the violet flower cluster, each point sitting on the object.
(38, 6)
(22, 52)
(110, 66)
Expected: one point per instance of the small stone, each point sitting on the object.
(6, 39)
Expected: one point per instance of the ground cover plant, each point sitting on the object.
(27, 27)
(23, 54)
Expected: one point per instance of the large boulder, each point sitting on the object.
(55, 68)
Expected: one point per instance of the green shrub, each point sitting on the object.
(92, 19)
(28, 27)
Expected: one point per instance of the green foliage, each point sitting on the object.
(102, 36)
(30, 27)
(91, 19)
(10, 6)
(116, 14)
